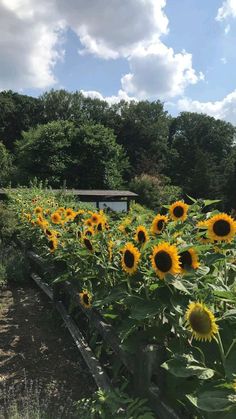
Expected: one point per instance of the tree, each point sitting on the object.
(98, 161)
(143, 129)
(86, 157)
(154, 191)
(201, 147)
(44, 152)
(6, 167)
(17, 113)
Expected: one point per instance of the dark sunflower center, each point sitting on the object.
(88, 244)
(200, 322)
(48, 232)
(163, 261)
(88, 233)
(178, 211)
(99, 227)
(129, 259)
(51, 244)
(221, 228)
(86, 299)
(185, 259)
(160, 225)
(141, 236)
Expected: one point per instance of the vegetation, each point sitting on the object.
(167, 280)
(65, 137)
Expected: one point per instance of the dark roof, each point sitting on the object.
(92, 192)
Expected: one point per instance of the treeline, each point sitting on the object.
(63, 136)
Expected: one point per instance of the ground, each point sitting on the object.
(37, 353)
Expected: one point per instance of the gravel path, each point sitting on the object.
(37, 354)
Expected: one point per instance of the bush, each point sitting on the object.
(154, 191)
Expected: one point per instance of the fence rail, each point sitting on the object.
(142, 367)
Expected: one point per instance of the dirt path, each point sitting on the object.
(36, 350)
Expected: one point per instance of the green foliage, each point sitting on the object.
(17, 113)
(45, 152)
(203, 163)
(154, 191)
(6, 167)
(85, 157)
(114, 404)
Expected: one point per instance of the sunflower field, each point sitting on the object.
(158, 279)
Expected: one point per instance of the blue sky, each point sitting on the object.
(179, 51)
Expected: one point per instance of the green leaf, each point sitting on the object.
(176, 284)
(208, 202)
(143, 309)
(212, 258)
(217, 400)
(186, 366)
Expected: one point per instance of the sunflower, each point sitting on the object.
(201, 321)
(88, 222)
(48, 232)
(188, 259)
(56, 218)
(178, 211)
(53, 244)
(130, 258)
(38, 210)
(221, 227)
(165, 259)
(95, 218)
(100, 226)
(88, 244)
(89, 232)
(159, 223)
(141, 235)
(85, 299)
(69, 213)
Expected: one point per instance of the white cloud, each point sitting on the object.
(156, 71)
(221, 109)
(113, 28)
(223, 60)
(31, 32)
(228, 9)
(28, 45)
(110, 99)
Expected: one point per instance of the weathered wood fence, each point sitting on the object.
(143, 366)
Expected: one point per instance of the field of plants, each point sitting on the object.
(166, 279)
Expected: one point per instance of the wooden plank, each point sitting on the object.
(99, 375)
(104, 329)
(95, 368)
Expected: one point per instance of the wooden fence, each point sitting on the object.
(143, 366)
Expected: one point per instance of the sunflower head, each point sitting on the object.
(88, 223)
(141, 235)
(188, 259)
(89, 232)
(88, 243)
(38, 210)
(159, 223)
(85, 299)
(95, 218)
(178, 211)
(221, 227)
(130, 258)
(69, 213)
(53, 244)
(201, 321)
(56, 218)
(165, 260)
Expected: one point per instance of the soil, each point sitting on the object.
(36, 350)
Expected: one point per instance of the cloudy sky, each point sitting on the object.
(182, 52)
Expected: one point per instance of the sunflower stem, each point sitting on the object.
(221, 348)
(146, 290)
